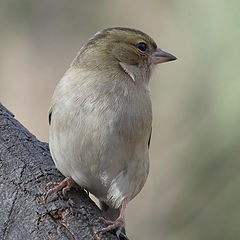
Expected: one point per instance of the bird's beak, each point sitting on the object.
(160, 56)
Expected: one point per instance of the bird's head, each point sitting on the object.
(122, 49)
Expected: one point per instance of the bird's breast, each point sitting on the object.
(122, 127)
(99, 136)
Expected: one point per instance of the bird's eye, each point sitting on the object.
(142, 46)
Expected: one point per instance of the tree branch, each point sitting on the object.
(25, 169)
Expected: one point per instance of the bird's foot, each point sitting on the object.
(117, 225)
(65, 185)
(112, 225)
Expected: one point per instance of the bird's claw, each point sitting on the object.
(117, 225)
(65, 185)
(105, 221)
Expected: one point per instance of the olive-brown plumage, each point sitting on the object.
(101, 116)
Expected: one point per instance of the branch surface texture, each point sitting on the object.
(26, 167)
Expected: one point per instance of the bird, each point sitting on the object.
(100, 119)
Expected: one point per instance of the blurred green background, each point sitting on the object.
(193, 190)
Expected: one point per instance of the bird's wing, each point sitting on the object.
(50, 116)
(149, 140)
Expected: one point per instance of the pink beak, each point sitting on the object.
(160, 56)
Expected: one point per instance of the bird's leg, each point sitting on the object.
(65, 185)
(118, 224)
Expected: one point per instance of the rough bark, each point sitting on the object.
(25, 169)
